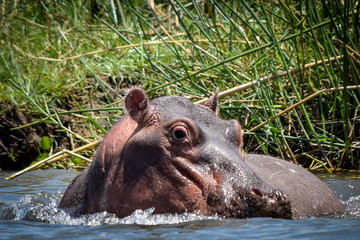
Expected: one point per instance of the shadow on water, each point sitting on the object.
(28, 209)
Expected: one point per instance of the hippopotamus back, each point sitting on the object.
(308, 195)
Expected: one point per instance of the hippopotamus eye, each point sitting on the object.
(182, 131)
(179, 133)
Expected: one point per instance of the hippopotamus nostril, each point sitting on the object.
(257, 192)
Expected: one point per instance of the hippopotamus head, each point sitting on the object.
(177, 156)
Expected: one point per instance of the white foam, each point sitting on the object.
(43, 207)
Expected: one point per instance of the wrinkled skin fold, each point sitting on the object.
(176, 156)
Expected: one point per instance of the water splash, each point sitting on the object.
(43, 207)
(352, 207)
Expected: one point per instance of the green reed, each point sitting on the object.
(57, 56)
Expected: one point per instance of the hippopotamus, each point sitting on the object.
(175, 156)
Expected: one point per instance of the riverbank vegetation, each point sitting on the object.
(287, 70)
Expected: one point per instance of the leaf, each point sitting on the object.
(42, 156)
(45, 143)
(76, 160)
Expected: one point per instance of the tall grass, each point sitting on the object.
(57, 56)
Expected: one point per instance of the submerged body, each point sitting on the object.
(176, 156)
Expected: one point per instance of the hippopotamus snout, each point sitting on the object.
(242, 191)
(260, 201)
(272, 204)
(245, 202)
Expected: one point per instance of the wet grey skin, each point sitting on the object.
(309, 196)
(178, 157)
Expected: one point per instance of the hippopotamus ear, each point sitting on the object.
(212, 102)
(136, 103)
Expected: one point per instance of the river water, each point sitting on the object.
(28, 210)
